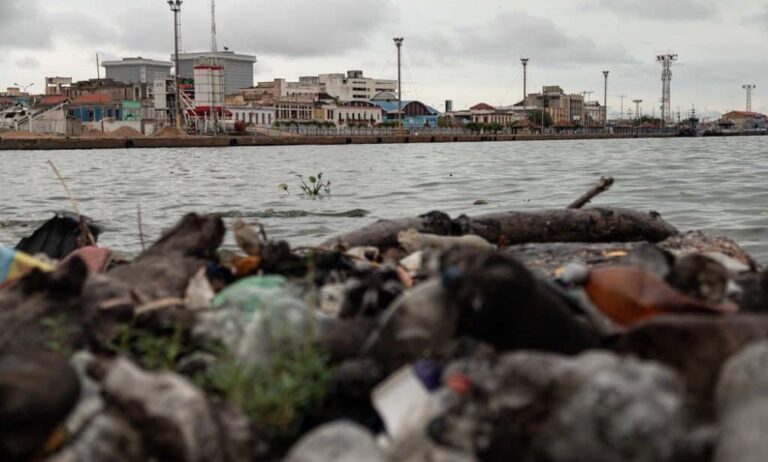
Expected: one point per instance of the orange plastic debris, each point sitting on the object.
(627, 295)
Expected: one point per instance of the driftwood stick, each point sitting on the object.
(561, 225)
(603, 185)
(141, 226)
(85, 233)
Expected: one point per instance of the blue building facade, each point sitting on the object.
(415, 113)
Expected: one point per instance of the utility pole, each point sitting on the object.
(621, 97)
(176, 8)
(101, 105)
(525, 78)
(637, 108)
(666, 92)
(584, 98)
(605, 99)
(399, 45)
(749, 87)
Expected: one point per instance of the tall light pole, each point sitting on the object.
(525, 78)
(24, 90)
(176, 8)
(637, 108)
(605, 99)
(621, 97)
(399, 45)
(749, 87)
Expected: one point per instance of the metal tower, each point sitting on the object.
(637, 108)
(622, 106)
(605, 98)
(399, 44)
(525, 78)
(666, 91)
(214, 46)
(749, 87)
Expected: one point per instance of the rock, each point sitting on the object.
(700, 277)
(742, 404)
(743, 378)
(172, 415)
(199, 292)
(414, 241)
(107, 438)
(539, 406)
(698, 242)
(696, 347)
(500, 302)
(37, 392)
(90, 403)
(339, 441)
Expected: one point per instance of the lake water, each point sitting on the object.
(719, 185)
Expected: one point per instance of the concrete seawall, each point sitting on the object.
(225, 141)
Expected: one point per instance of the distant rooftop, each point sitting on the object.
(229, 55)
(137, 61)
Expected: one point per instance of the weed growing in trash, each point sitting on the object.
(278, 395)
(316, 186)
(153, 351)
(57, 326)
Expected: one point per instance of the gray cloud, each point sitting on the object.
(663, 10)
(18, 25)
(28, 62)
(511, 35)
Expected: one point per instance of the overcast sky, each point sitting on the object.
(464, 50)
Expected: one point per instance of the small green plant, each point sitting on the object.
(315, 187)
(59, 334)
(278, 395)
(151, 350)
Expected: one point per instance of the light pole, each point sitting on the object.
(176, 8)
(749, 87)
(23, 91)
(525, 78)
(637, 108)
(605, 99)
(399, 45)
(621, 97)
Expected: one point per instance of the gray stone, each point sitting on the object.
(107, 438)
(538, 406)
(742, 403)
(339, 441)
(171, 413)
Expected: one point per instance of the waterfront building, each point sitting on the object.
(354, 86)
(94, 107)
(299, 109)
(357, 113)
(744, 120)
(594, 114)
(255, 116)
(561, 107)
(136, 70)
(415, 114)
(238, 68)
(55, 86)
(116, 91)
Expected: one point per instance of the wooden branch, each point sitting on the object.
(603, 185)
(85, 232)
(562, 225)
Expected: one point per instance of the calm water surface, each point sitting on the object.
(719, 185)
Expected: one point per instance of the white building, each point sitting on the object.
(256, 116)
(354, 86)
(357, 113)
(238, 68)
(136, 70)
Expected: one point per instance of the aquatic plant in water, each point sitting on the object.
(314, 186)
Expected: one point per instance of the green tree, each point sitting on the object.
(536, 116)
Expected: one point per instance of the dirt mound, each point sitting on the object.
(125, 132)
(170, 132)
(22, 135)
(92, 133)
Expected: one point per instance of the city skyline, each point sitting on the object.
(450, 51)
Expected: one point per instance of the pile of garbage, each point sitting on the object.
(564, 335)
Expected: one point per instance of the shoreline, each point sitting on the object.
(30, 144)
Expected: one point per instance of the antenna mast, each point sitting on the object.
(666, 92)
(749, 87)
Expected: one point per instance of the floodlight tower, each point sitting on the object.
(525, 78)
(399, 45)
(621, 97)
(666, 89)
(637, 108)
(176, 9)
(605, 99)
(749, 87)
